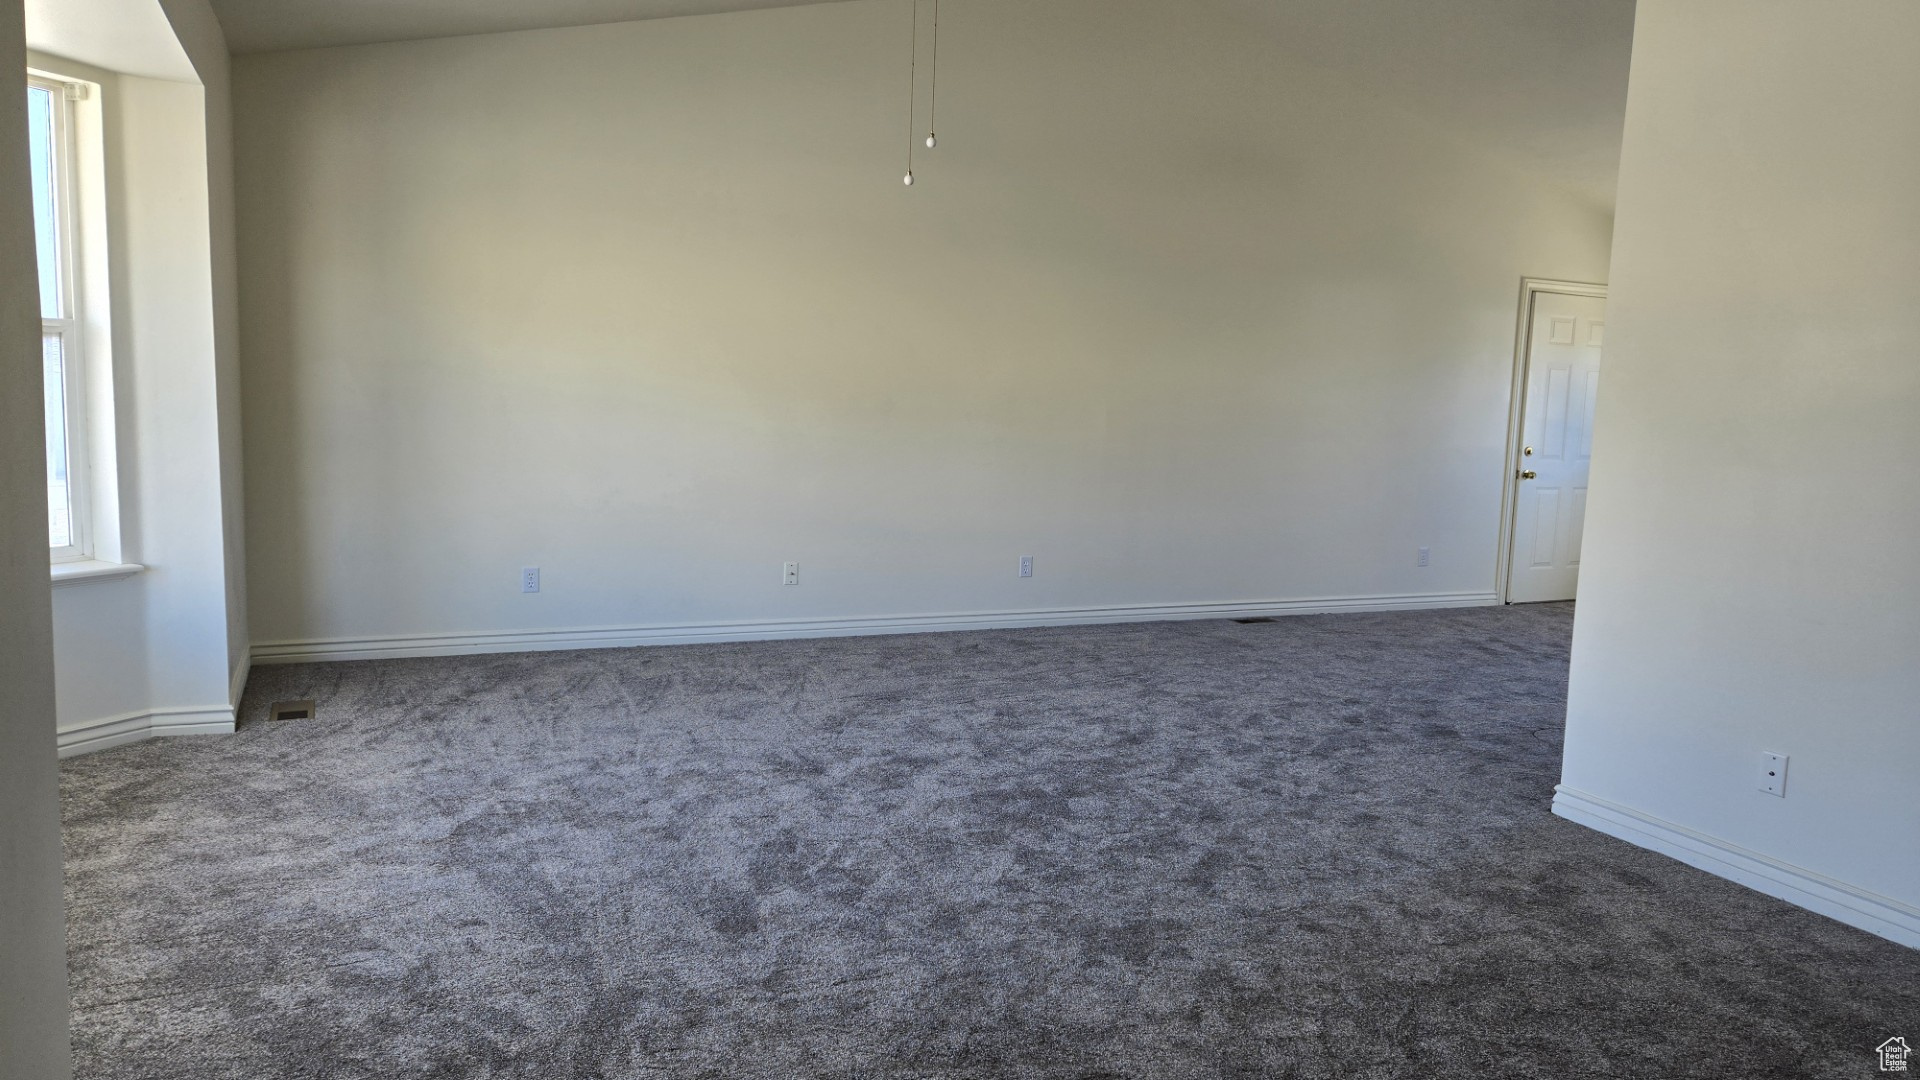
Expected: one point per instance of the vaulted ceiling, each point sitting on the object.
(269, 25)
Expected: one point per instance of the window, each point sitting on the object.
(50, 131)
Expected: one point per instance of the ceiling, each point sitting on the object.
(272, 25)
(130, 36)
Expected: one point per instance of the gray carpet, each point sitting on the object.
(1318, 847)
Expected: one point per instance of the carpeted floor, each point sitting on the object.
(1318, 847)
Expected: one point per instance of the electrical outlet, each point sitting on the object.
(1426, 556)
(1026, 566)
(1773, 774)
(790, 574)
(530, 579)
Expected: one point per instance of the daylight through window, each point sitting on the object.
(49, 119)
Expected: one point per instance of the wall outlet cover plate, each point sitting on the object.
(1773, 774)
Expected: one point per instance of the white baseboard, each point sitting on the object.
(1883, 915)
(614, 637)
(111, 731)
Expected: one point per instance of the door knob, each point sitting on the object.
(1528, 474)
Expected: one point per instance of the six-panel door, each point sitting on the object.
(1563, 375)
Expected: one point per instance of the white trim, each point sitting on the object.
(93, 293)
(84, 738)
(74, 573)
(615, 637)
(1892, 919)
(69, 321)
(1516, 416)
(238, 684)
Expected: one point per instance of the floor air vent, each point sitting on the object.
(1262, 618)
(290, 710)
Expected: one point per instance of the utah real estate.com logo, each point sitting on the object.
(1893, 1054)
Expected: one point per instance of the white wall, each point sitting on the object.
(1173, 308)
(199, 33)
(166, 324)
(33, 958)
(161, 648)
(1750, 581)
(156, 643)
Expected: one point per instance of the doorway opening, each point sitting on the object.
(1556, 377)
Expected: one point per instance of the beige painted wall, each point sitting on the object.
(1175, 308)
(1750, 581)
(33, 957)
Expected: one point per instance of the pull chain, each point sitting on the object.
(933, 102)
(913, 62)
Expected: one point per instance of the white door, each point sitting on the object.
(1550, 505)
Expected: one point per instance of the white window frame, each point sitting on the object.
(70, 326)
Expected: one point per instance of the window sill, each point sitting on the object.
(75, 573)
